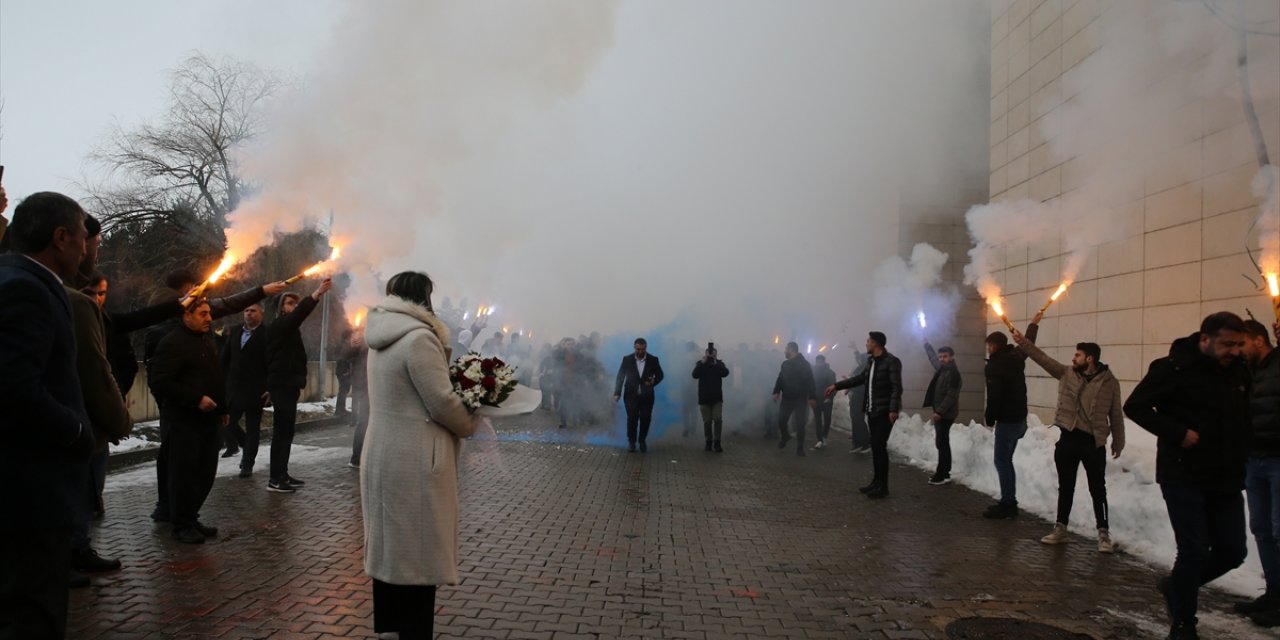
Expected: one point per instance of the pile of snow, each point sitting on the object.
(1139, 521)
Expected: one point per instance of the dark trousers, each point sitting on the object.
(33, 583)
(942, 440)
(97, 478)
(1209, 529)
(283, 420)
(360, 409)
(858, 418)
(880, 426)
(344, 389)
(797, 412)
(1075, 448)
(407, 609)
(162, 472)
(251, 437)
(822, 419)
(193, 464)
(639, 415)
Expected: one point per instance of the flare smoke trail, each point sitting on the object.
(907, 288)
(722, 170)
(1114, 133)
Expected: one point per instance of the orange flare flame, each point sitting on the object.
(1062, 288)
(359, 319)
(1273, 283)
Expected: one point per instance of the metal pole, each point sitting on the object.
(324, 335)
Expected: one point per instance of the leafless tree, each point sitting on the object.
(184, 160)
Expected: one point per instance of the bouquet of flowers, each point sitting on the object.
(482, 382)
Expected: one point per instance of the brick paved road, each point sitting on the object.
(565, 540)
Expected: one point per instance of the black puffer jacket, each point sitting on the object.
(1188, 390)
(943, 393)
(884, 396)
(795, 379)
(1006, 386)
(1264, 406)
(286, 354)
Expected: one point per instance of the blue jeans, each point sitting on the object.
(1007, 436)
(1209, 529)
(1262, 486)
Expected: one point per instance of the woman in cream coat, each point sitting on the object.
(408, 469)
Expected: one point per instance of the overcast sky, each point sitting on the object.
(730, 167)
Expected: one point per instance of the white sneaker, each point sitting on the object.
(1105, 545)
(822, 444)
(1057, 536)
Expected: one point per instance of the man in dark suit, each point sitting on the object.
(286, 377)
(47, 438)
(244, 359)
(638, 375)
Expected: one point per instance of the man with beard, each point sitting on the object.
(1006, 413)
(637, 376)
(187, 381)
(792, 391)
(44, 455)
(1196, 402)
(1262, 477)
(883, 379)
(1089, 411)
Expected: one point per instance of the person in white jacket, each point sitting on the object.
(408, 469)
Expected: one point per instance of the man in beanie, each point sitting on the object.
(883, 379)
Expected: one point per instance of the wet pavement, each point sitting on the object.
(564, 536)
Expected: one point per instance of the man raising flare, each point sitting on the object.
(286, 377)
(1088, 412)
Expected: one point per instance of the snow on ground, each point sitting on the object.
(145, 475)
(1139, 521)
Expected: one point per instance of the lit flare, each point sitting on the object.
(317, 267)
(920, 318)
(1062, 288)
(1273, 284)
(223, 267)
(995, 305)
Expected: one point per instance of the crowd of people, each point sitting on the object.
(1213, 404)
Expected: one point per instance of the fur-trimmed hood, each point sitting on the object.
(393, 318)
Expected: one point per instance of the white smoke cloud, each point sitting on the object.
(731, 169)
(908, 289)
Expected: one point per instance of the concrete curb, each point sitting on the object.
(140, 456)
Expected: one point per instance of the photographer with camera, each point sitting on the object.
(710, 373)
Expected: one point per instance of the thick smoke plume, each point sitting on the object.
(1116, 134)
(713, 171)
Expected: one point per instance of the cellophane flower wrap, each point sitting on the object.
(481, 381)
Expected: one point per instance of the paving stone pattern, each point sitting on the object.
(567, 540)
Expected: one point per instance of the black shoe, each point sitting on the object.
(716, 447)
(643, 447)
(782, 444)
(938, 480)
(878, 493)
(246, 473)
(87, 560)
(869, 488)
(631, 447)
(188, 535)
(77, 580)
(800, 451)
(280, 486)
(295, 482)
(231, 453)
(708, 447)
(160, 516)
(1265, 602)
(1183, 631)
(205, 530)
(1001, 511)
(562, 425)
